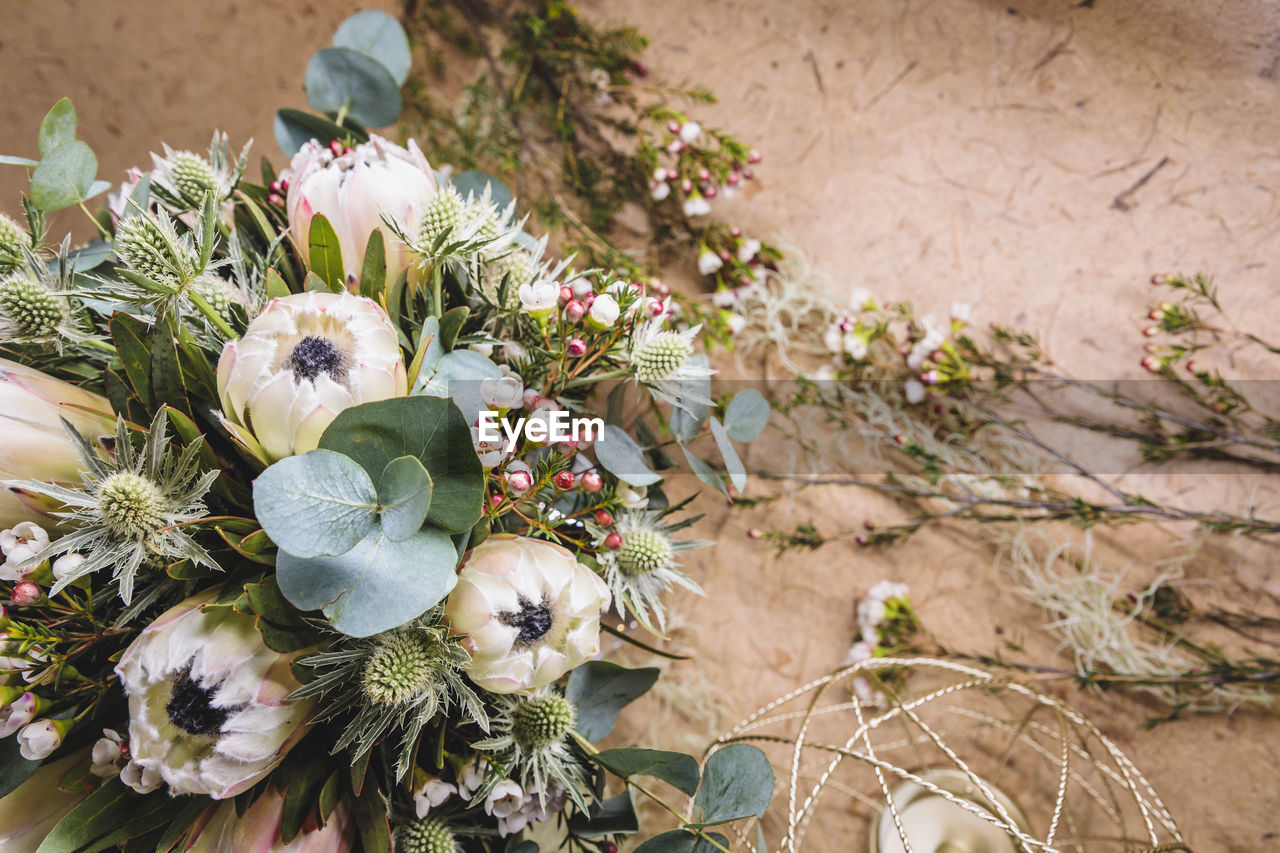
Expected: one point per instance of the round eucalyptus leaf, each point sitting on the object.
(473, 182)
(405, 495)
(378, 585)
(378, 36)
(747, 415)
(339, 78)
(64, 177)
(319, 503)
(619, 454)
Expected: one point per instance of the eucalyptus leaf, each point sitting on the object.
(318, 504)
(737, 782)
(405, 496)
(295, 128)
(428, 428)
(378, 36)
(600, 689)
(747, 415)
(705, 472)
(693, 397)
(340, 79)
(618, 453)
(58, 126)
(614, 816)
(64, 177)
(732, 463)
(473, 182)
(458, 375)
(679, 841)
(675, 768)
(11, 160)
(378, 585)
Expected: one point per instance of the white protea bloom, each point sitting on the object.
(303, 360)
(354, 191)
(529, 610)
(107, 755)
(34, 445)
(643, 565)
(661, 360)
(208, 707)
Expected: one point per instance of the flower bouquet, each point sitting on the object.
(319, 493)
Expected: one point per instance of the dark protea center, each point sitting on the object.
(314, 355)
(191, 707)
(532, 620)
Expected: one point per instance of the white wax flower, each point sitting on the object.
(604, 311)
(38, 740)
(748, 250)
(539, 297)
(19, 544)
(431, 793)
(506, 392)
(709, 262)
(690, 131)
(914, 391)
(505, 799)
(106, 755)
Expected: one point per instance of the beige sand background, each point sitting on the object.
(928, 150)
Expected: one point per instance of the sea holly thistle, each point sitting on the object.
(532, 741)
(396, 681)
(182, 179)
(35, 304)
(132, 509)
(638, 557)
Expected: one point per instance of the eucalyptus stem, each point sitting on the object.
(106, 235)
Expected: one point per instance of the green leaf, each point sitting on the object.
(405, 495)
(150, 814)
(316, 284)
(473, 182)
(747, 415)
(269, 603)
(58, 126)
(619, 454)
(276, 286)
(679, 841)
(451, 324)
(377, 585)
(129, 334)
(737, 783)
(371, 818)
(600, 690)
(97, 815)
(429, 428)
(675, 768)
(294, 128)
(687, 418)
(14, 769)
(343, 80)
(373, 272)
(378, 36)
(182, 824)
(167, 388)
(64, 177)
(326, 254)
(318, 504)
(705, 472)
(614, 816)
(737, 473)
(329, 795)
(10, 160)
(300, 799)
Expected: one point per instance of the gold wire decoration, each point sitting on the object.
(923, 719)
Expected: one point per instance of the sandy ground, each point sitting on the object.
(927, 150)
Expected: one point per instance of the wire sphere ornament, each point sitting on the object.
(927, 755)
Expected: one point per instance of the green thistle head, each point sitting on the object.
(132, 506)
(35, 311)
(542, 721)
(402, 666)
(150, 246)
(661, 356)
(192, 177)
(442, 215)
(428, 835)
(644, 552)
(217, 293)
(12, 238)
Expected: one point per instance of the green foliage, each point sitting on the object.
(600, 689)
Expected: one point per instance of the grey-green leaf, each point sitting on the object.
(473, 182)
(621, 456)
(705, 472)
(378, 36)
(600, 690)
(318, 504)
(58, 126)
(675, 768)
(64, 177)
(679, 841)
(737, 782)
(405, 495)
(429, 428)
(376, 586)
(732, 464)
(747, 415)
(339, 78)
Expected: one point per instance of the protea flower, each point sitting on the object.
(34, 445)
(207, 701)
(529, 610)
(29, 813)
(258, 830)
(303, 360)
(354, 190)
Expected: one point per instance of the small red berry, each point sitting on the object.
(276, 186)
(564, 480)
(613, 541)
(604, 518)
(591, 482)
(275, 198)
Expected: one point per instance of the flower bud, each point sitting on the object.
(21, 711)
(573, 310)
(38, 740)
(576, 348)
(591, 482)
(519, 478)
(754, 156)
(26, 594)
(564, 480)
(604, 518)
(613, 541)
